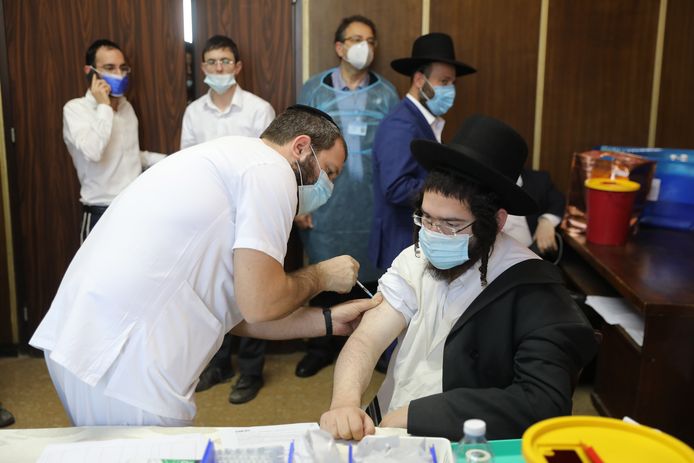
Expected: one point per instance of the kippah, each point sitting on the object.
(315, 112)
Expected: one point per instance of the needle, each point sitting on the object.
(365, 290)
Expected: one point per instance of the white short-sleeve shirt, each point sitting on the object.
(149, 295)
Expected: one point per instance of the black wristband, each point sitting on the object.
(328, 322)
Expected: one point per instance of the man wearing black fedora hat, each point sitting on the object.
(486, 328)
(433, 69)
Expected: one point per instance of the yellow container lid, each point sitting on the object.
(612, 441)
(618, 184)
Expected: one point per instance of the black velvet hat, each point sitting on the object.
(486, 151)
(429, 48)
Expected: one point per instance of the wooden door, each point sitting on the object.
(264, 33)
(46, 45)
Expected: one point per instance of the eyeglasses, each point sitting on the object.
(357, 39)
(124, 69)
(445, 227)
(214, 62)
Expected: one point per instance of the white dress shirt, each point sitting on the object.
(104, 147)
(431, 307)
(436, 123)
(150, 304)
(516, 226)
(247, 115)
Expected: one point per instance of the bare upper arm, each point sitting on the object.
(380, 326)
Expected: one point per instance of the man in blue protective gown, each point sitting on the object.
(397, 176)
(358, 99)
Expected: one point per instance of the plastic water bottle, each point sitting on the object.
(474, 447)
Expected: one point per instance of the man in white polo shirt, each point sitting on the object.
(227, 109)
(141, 310)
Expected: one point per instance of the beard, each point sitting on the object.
(304, 171)
(449, 275)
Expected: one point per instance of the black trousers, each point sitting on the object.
(90, 216)
(251, 355)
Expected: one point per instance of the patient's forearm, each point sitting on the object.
(353, 371)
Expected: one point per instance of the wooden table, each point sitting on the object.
(654, 270)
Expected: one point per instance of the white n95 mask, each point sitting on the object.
(360, 55)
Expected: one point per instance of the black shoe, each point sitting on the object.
(310, 365)
(6, 417)
(212, 375)
(245, 389)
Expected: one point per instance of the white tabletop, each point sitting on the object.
(27, 445)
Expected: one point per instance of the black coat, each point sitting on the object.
(512, 358)
(539, 186)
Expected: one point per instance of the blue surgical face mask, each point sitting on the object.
(220, 83)
(311, 197)
(118, 83)
(441, 102)
(444, 251)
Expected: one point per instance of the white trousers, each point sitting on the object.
(89, 406)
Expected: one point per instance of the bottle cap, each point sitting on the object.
(478, 456)
(475, 427)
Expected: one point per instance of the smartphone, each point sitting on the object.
(89, 76)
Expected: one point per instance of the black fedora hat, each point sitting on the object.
(429, 48)
(486, 151)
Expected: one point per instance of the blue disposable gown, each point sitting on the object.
(343, 224)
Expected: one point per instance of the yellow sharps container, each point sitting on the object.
(592, 439)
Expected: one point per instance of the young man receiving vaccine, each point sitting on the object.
(486, 328)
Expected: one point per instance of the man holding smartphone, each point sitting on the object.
(100, 132)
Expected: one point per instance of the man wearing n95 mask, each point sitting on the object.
(358, 99)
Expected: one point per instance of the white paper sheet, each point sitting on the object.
(264, 436)
(618, 311)
(181, 447)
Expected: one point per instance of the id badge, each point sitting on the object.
(357, 128)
